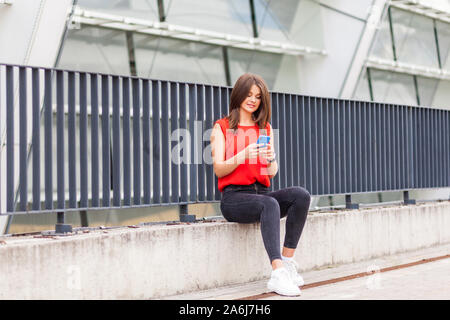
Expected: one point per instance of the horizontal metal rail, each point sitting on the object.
(88, 141)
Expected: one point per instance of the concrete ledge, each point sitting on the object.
(160, 260)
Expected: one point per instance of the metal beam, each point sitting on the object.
(423, 8)
(412, 69)
(164, 29)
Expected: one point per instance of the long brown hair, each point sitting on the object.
(239, 94)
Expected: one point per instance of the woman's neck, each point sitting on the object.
(245, 118)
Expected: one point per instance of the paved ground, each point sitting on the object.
(426, 281)
(430, 280)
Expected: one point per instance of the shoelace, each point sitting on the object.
(291, 265)
(282, 274)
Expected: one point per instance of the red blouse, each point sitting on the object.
(251, 170)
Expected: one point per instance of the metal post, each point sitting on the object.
(184, 216)
(349, 204)
(60, 226)
(406, 199)
(84, 218)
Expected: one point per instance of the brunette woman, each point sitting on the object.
(244, 169)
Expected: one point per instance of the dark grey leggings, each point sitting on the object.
(256, 203)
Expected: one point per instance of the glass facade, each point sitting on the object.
(158, 57)
(96, 50)
(418, 41)
(231, 17)
(414, 38)
(142, 9)
(164, 58)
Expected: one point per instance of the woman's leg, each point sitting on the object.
(294, 203)
(247, 208)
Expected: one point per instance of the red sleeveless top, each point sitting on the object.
(253, 169)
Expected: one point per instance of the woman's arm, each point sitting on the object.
(224, 167)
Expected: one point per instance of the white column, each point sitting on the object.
(362, 52)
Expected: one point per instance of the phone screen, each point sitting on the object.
(263, 139)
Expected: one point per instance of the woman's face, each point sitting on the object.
(253, 100)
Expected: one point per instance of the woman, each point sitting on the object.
(244, 169)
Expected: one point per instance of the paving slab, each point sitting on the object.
(429, 280)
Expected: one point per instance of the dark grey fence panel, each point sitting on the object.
(329, 146)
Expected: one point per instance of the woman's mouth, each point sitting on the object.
(251, 105)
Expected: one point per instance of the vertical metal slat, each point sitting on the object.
(23, 138)
(48, 139)
(60, 138)
(71, 142)
(83, 142)
(126, 141)
(173, 128)
(165, 159)
(10, 139)
(137, 142)
(201, 118)
(156, 143)
(36, 139)
(192, 144)
(183, 126)
(106, 150)
(116, 141)
(208, 125)
(146, 140)
(94, 141)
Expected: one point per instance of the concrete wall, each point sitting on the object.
(158, 260)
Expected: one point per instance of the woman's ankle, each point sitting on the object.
(277, 263)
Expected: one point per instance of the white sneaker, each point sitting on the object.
(291, 266)
(281, 283)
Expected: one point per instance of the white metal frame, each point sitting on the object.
(100, 19)
(401, 67)
(423, 8)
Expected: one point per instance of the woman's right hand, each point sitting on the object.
(252, 150)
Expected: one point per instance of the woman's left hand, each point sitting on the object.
(267, 152)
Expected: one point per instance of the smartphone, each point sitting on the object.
(263, 139)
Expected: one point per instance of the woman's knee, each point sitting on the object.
(271, 206)
(301, 195)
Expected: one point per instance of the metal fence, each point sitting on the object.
(90, 141)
